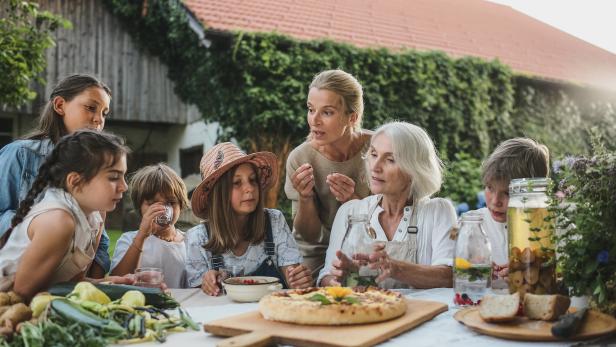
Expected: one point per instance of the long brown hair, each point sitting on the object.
(224, 233)
(50, 123)
(85, 152)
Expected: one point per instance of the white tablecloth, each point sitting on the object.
(443, 330)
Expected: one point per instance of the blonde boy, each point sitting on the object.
(514, 158)
(156, 191)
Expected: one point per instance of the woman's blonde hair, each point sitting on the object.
(151, 180)
(414, 152)
(347, 87)
(224, 233)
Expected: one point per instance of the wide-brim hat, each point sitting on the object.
(220, 159)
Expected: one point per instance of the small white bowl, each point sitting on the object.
(250, 288)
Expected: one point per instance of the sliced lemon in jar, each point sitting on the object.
(463, 264)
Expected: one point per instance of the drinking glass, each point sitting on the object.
(148, 277)
(228, 272)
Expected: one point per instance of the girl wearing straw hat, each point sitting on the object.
(237, 230)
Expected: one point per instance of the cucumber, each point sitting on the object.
(71, 312)
(153, 296)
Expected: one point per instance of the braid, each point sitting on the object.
(25, 205)
(84, 152)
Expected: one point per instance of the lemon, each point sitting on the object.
(462, 264)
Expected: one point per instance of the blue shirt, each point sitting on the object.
(19, 164)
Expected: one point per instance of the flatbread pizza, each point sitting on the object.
(333, 305)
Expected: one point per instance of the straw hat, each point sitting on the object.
(222, 157)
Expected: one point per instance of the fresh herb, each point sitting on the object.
(585, 206)
(48, 333)
(351, 300)
(320, 297)
(474, 273)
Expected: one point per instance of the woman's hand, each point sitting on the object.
(209, 284)
(148, 225)
(341, 266)
(298, 276)
(303, 181)
(342, 187)
(379, 259)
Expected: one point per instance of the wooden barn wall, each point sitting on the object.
(97, 44)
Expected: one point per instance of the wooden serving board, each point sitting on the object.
(595, 324)
(263, 332)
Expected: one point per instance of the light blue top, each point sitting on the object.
(199, 260)
(19, 164)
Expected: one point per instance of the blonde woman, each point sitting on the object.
(404, 172)
(327, 170)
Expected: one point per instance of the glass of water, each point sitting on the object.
(148, 277)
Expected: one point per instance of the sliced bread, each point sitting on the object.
(499, 308)
(545, 307)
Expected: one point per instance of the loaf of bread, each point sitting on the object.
(499, 308)
(545, 307)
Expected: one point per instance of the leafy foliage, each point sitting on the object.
(587, 244)
(255, 85)
(462, 179)
(48, 333)
(25, 34)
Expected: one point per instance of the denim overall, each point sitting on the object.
(268, 266)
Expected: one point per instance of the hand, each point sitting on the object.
(340, 267)
(126, 279)
(500, 271)
(148, 225)
(209, 285)
(299, 276)
(303, 181)
(379, 259)
(342, 187)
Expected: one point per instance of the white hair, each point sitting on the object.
(414, 152)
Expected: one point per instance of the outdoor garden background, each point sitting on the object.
(254, 85)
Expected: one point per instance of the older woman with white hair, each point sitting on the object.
(413, 229)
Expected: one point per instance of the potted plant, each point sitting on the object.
(586, 243)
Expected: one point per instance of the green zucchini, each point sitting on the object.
(153, 296)
(70, 312)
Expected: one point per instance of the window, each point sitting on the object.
(6, 131)
(190, 159)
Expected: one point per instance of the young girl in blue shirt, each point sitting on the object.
(76, 102)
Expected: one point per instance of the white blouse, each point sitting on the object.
(497, 234)
(435, 217)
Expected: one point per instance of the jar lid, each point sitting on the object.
(529, 185)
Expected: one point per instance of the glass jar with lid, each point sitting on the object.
(530, 225)
(472, 268)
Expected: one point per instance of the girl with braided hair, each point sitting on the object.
(55, 231)
(76, 102)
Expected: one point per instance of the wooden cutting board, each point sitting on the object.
(263, 332)
(596, 324)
